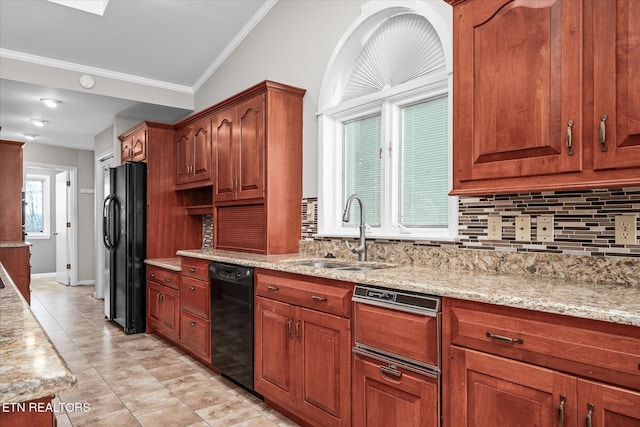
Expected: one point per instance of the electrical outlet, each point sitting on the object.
(494, 228)
(523, 228)
(544, 228)
(311, 207)
(626, 232)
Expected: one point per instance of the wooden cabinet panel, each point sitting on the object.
(16, 260)
(184, 154)
(134, 146)
(589, 348)
(196, 335)
(240, 228)
(154, 312)
(223, 128)
(616, 59)
(193, 149)
(163, 276)
(251, 137)
(612, 406)
(196, 268)
(11, 191)
(194, 295)
(163, 310)
(413, 334)
(492, 391)
(410, 400)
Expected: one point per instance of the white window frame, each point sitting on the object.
(46, 207)
(333, 111)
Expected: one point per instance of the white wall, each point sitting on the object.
(84, 162)
(291, 45)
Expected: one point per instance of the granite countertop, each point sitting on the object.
(168, 263)
(14, 244)
(612, 303)
(30, 365)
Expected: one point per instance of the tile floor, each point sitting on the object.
(135, 380)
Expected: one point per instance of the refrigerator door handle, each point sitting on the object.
(106, 222)
(116, 221)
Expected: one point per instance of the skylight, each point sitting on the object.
(96, 7)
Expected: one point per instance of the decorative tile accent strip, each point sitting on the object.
(207, 231)
(309, 227)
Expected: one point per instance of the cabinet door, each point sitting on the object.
(607, 406)
(202, 149)
(324, 347)
(138, 147)
(154, 312)
(250, 146)
(381, 399)
(125, 149)
(493, 391)
(274, 341)
(225, 170)
(517, 89)
(196, 335)
(184, 153)
(616, 58)
(170, 313)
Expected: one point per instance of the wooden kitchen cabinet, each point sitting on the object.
(258, 157)
(195, 309)
(11, 191)
(163, 302)
(302, 354)
(133, 145)
(532, 81)
(381, 400)
(239, 135)
(509, 366)
(193, 149)
(16, 260)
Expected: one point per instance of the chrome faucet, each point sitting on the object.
(362, 249)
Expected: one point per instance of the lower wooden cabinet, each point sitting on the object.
(381, 400)
(163, 302)
(195, 308)
(16, 260)
(492, 391)
(303, 360)
(196, 335)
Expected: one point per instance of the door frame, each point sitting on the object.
(73, 215)
(101, 286)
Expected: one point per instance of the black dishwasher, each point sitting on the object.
(232, 322)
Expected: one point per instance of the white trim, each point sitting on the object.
(43, 275)
(228, 50)
(72, 66)
(85, 283)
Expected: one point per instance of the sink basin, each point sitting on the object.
(343, 266)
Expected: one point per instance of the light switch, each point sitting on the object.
(523, 228)
(311, 207)
(626, 232)
(544, 228)
(494, 228)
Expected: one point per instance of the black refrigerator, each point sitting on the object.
(124, 235)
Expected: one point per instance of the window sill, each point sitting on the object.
(381, 236)
(38, 236)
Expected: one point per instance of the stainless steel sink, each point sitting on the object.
(342, 266)
(323, 264)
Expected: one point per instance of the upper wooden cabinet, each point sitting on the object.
(532, 80)
(11, 190)
(193, 148)
(239, 144)
(133, 145)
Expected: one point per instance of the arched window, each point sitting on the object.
(384, 124)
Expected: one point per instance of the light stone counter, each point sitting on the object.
(30, 365)
(608, 302)
(167, 263)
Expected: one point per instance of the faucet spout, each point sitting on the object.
(361, 250)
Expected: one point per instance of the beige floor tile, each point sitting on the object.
(85, 391)
(173, 370)
(228, 413)
(104, 404)
(171, 416)
(189, 382)
(110, 419)
(256, 422)
(144, 403)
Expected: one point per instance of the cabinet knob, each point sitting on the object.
(192, 288)
(167, 280)
(192, 270)
(192, 323)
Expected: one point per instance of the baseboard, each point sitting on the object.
(85, 282)
(43, 275)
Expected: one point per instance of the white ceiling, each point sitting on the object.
(171, 44)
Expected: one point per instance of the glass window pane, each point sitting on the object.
(34, 212)
(424, 164)
(362, 167)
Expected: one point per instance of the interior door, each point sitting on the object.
(63, 229)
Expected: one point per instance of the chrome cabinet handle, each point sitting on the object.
(390, 371)
(563, 399)
(273, 288)
(568, 137)
(603, 133)
(167, 280)
(160, 298)
(192, 270)
(590, 408)
(192, 323)
(505, 339)
(152, 274)
(298, 337)
(318, 298)
(192, 288)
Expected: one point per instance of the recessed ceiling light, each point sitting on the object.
(30, 136)
(39, 122)
(50, 102)
(96, 7)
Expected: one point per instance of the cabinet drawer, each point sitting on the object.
(162, 276)
(196, 334)
(194, 295)
(594, 349)
(406, 335)
(314, 293)
(196, 268)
